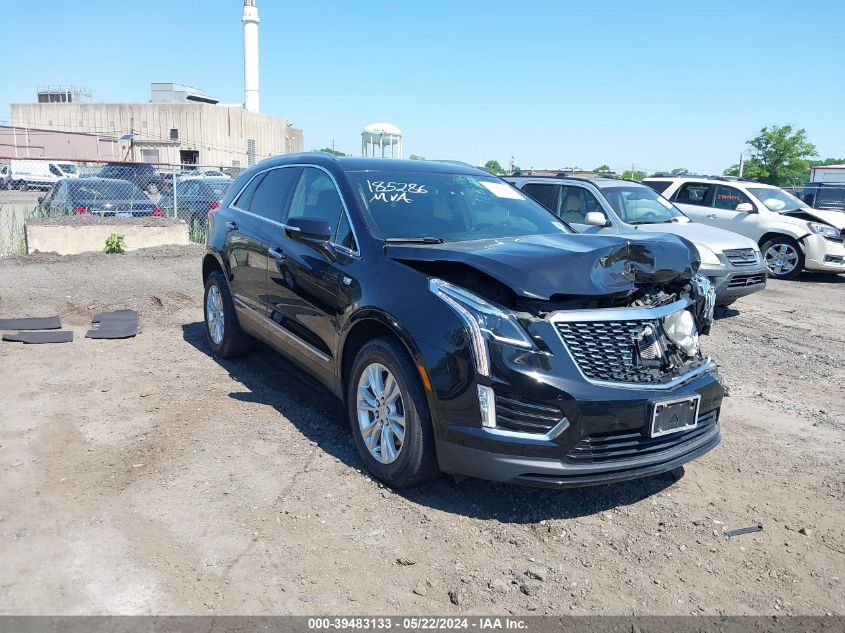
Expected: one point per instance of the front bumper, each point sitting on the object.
(731, 282)
(822, 254)
(555, 473)
(602, 434)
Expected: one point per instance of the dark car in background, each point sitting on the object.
(142, 175)
(194, 198)
(102, 197)
(466, 328)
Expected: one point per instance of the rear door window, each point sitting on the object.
(693, 193)
(658, 186)
(544, 193)
(273, 192)
(245, 198)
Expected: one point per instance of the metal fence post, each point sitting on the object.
(173, 184)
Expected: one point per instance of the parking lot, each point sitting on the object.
(145, 476)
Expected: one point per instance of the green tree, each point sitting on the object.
(778, 155)
(602, 169)
(827, 161)
(416, 157)
(679, 171)
(332, 151)
(493, 167)
(633, 175)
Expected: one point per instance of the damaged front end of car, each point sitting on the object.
(587, 360)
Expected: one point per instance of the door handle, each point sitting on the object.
(278, 253)
(711, 216)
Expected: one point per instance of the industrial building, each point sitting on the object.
(179, 125)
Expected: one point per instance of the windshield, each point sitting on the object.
(776, 200)
(453, 207)
(636, 204)
(90, 191)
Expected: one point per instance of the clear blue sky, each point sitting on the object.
(552, 83)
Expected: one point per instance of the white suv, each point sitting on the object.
(792, 236)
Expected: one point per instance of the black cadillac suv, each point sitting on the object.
(467, 329)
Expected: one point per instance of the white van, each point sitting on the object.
(39, 174)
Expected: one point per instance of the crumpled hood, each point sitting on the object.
(541, 266)
(834, 218)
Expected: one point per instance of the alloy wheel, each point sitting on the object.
(781, 259)
(381, 413)
(214, 314)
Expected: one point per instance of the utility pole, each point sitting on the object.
(741, 164)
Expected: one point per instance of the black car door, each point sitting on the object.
(306, 283)
(255, 222)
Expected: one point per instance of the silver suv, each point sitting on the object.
(792, 236)
(732, 262)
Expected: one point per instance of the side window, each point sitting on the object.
(272, 193)
(693, 193)
(575, 203)
(658, 185)
(55, 170)
(245, 198)
(543, 193)
(316, 197)
(343, 236)
(728, 198)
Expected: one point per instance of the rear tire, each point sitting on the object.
(783, 257)
(398, 462)
(23, 185)
(152, 189)
(222, 328)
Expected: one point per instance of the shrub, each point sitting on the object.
(114, 243)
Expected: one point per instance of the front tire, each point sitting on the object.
(389, 415)
(783, 257)
(222, 329)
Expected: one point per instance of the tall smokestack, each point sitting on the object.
(250, 20)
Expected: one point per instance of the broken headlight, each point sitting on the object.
(483, 320)
(680, 329)
(823, 229)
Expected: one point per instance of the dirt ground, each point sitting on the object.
(146, 477)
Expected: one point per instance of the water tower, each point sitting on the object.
(381, 139)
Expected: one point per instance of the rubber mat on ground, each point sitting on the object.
(31, 323)
(58, 336)
(116, 324)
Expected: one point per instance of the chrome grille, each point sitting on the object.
(604, 447)
(740, 281)
(741, 256)
(608, 350)
(521, 415)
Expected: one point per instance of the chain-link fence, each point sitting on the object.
(824, 195)
(43, 188)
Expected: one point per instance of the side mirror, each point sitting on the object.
(745, 207)
(309, 230)
(596, 218)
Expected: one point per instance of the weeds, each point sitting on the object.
(198, 230)
(114, 244)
